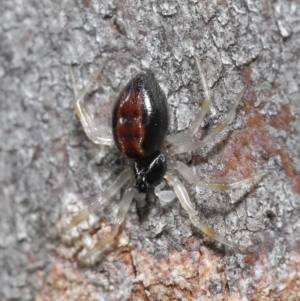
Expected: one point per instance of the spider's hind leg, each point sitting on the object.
(112, 190)
(185, 201)
(123, 209)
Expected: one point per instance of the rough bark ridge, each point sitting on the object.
(48, 168)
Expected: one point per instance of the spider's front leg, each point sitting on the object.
(185, 201)
(186, 137)
(182, 142)
(91, 130)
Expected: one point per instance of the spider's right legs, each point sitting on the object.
(87, 122)
(112, 190)
(185, 201)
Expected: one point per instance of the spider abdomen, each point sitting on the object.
(140, 117)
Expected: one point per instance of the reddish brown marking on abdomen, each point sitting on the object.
(130, 131)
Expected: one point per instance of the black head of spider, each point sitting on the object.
(149, 171)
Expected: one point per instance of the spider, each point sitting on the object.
(140, 125)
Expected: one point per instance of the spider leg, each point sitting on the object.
(87, 121)
(124, 207)
(188, 207)
(191, 146)
(185, 137)
(165, 196)
(188, 174)
(112, 190)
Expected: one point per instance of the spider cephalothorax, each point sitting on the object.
(149, 171)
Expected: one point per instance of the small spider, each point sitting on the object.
(140, 125)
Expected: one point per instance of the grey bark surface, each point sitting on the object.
(46, 160)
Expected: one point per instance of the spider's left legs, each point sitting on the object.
(187, 205)
(184, 137)
(129, 194)
(87, 121)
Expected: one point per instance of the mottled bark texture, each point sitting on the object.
(48, 167)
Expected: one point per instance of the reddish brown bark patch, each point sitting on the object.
(138, 293)
(297, 184)
(287, 163)
(246, 73)
(66, 283)
(283, 119)
(86, 3)
(272, 287)
(186, 274)
(246, 146)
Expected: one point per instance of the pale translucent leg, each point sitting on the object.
(165, 196)
(193, 145)
(188, 174)
(87, 122)
(124, 207)
(185, 137)
(187, 205)
(112, 190)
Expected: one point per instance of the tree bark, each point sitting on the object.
(49, 168)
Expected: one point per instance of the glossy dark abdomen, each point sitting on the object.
(140, 117)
